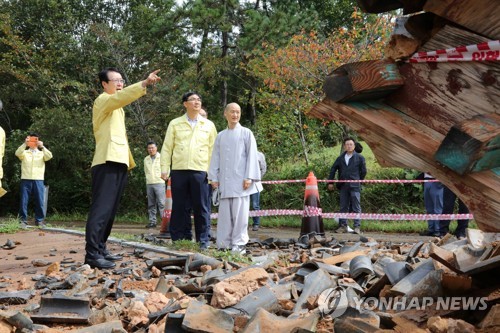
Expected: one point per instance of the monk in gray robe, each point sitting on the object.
(234, 170)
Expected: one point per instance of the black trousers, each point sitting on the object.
(449, 199)
(108, 183)
(189, 189)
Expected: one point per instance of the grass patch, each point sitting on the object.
(128, 218)
(125, 236)
(10, 226)
(366, 225)
(65, 217)
(190, 246)
(228, 256)
(185, 245)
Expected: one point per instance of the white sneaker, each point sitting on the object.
(238, 249)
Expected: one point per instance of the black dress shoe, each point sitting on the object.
(112, 257)
(428, 233)
(100, 263)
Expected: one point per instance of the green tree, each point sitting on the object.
(293, 75)
(51, 52)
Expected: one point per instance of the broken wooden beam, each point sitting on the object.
(343, 257)
(443, 256)
(480, 16)
(441, 95)
(399, 140)
(472, 145)
(483, 266)
(376, 6)
(364, 80)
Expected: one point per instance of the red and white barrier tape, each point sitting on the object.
(486, 51)
(361, 216)
(398, 217)
(385, 181)
(310, 211)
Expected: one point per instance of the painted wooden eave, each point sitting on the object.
(399, 140)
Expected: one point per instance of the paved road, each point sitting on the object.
(264, 232)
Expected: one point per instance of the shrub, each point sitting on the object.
(376, 197)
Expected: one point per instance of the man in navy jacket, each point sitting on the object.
(350, 166)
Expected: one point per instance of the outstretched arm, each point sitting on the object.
(151, 79)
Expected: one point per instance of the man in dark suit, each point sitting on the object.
(350, 166)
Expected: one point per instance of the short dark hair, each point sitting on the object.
(349, 138)
(189, 94)
(151, 143)
(103, 75)
(35, 134)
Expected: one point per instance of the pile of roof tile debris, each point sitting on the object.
(313, 284)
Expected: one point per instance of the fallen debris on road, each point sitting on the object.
(310, 284)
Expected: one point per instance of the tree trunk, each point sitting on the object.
(225, 47)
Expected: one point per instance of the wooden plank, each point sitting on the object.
(363, 80)
(378, 6)
(472, 145)
(444, 257)
(423, 25)
(375, 6)
(399, 140)
(483, 266)
(481, 16)
(343, 257)
(464, 258)
(496, 251)
(440, 95)
(456, 283)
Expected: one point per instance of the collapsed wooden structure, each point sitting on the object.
(438, 117)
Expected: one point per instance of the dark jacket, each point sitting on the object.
(356, 170)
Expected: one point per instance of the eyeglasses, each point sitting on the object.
(118, 80)
(194, 99)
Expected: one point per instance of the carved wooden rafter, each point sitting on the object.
(399, 140)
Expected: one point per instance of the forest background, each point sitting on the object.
(271, 57)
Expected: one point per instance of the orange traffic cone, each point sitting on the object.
(165, 216)
(311, 219)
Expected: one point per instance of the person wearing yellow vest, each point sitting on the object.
(185, 156)
(155, 185)
(33, 156)
(112, 160)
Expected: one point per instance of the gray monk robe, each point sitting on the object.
(234, 159)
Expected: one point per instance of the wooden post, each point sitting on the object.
(480, 16)
(377, 6)
(399, 140)
(363, 80)
(472, 145)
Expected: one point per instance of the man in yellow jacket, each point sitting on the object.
(112, 160)
(155, 185)
(33, 156)
(185, 156)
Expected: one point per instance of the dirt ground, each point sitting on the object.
(32, 251)
(53, 246)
